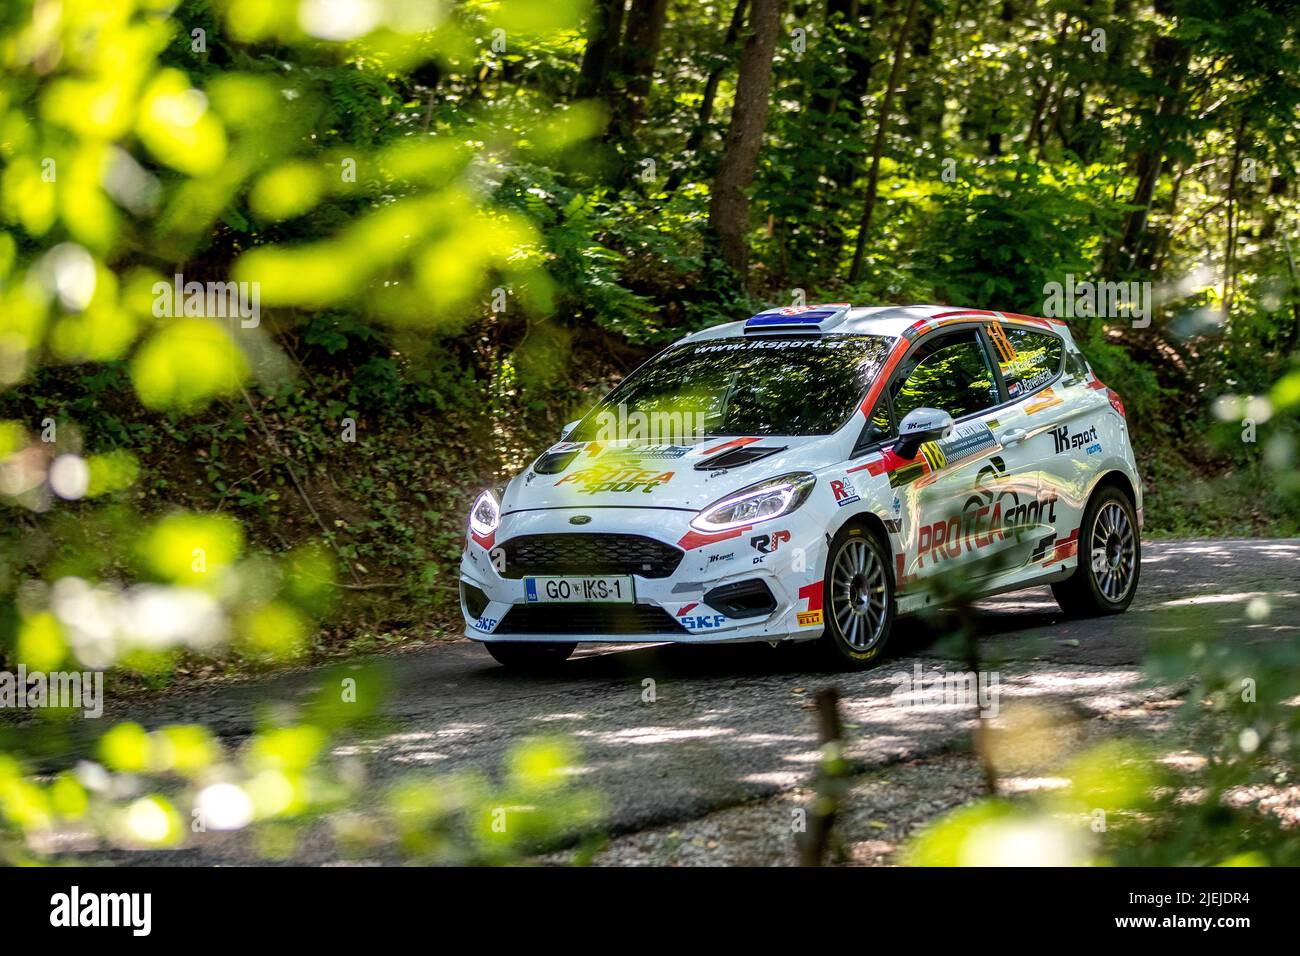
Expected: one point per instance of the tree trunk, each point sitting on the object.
(602, 41)
(1230, 239)
(1048, 88)
(1169, 58)
(728, 204)
(922, 114)
(641, 43)
(878, 148)
(715, 77)
(696, 138)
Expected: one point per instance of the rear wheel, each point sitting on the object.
(858, 594)
(1110, 558)
(523, 655)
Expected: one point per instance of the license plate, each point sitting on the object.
(563, 590)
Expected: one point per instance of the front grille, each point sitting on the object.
(554, 554)
(588, 619)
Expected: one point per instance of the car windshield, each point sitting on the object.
(797, 385)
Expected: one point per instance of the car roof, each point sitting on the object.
(888, 320)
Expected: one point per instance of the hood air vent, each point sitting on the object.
(737, 457)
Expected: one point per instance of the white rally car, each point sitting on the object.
(812, 473)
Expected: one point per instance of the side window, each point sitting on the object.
(952, 373)
(1029, 360)
(1076, 368)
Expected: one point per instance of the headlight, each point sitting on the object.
(485, 516)
(767, 499)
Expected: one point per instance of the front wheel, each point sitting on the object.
(1110, 559)
(859, 599)
(526, 656)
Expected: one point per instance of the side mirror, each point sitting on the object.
(921, 425)
(564, 432)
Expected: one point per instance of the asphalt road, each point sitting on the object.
(731, 724)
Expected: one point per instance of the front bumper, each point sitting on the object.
(671, 608)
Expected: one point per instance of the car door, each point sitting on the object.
(1053, 419)
(968, 494)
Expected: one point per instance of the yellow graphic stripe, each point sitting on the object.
(999, 337)
(933, 455)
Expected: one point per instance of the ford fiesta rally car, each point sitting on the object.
(824, 470)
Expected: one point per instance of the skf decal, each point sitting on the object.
(615, 478)
(812, 593)
(1064, 441)
(486, 624)
(845, 493)
(701, 622)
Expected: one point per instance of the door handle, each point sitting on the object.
(1012, 436)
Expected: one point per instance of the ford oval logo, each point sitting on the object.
(580, 519)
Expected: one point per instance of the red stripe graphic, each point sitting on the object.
(878, 385)
(697, 539)
(734, 443)
(812, 593)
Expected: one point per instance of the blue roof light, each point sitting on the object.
(809, 317)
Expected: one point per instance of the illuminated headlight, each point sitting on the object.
(761, 502)
(485, 516)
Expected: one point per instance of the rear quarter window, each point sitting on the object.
(1029, 360)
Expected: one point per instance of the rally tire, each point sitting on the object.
(1107, 584)
(858, 600)
(526, 656)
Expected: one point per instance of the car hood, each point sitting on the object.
(638, 475)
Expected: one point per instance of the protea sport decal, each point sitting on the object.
(615, 478)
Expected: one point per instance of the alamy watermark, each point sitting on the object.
(948, 689)
(666, 428)
(1087, 299)
(133, 911)
(213, 300)
(70, 690)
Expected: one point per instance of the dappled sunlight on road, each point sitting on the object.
(670, 733)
